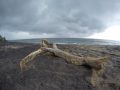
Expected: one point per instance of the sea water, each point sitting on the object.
(79, 41)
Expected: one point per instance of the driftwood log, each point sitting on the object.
(96, 64)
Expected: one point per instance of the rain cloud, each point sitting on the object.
(54, 18)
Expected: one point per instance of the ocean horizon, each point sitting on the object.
(79, 41)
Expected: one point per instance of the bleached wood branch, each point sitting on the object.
(96, 64)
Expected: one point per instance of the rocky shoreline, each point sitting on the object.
(53, 73)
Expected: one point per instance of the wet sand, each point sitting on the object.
(53, 73)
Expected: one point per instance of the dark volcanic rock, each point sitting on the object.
(53, 73)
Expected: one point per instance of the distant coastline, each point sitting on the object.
(79, 41)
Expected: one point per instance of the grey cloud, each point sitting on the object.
(58, 17)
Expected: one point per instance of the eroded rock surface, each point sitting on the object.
(53, 73)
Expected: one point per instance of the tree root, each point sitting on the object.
(97, 64)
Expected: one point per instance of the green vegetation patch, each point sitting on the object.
(2, 39)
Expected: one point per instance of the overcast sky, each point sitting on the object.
(57, 18)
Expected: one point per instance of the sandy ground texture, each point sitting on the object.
(53, 73)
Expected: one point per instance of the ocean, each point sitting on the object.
(79, 41)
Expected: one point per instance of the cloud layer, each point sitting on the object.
(54, 18)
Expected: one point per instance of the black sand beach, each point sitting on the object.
(53, 73)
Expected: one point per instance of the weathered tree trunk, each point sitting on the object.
(96, 64)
